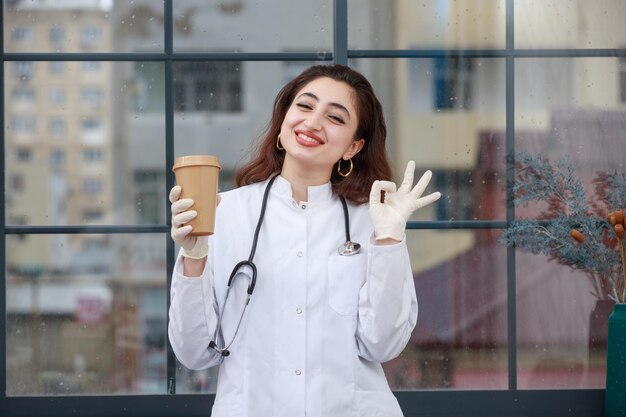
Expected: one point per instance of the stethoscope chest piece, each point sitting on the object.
(349, 248)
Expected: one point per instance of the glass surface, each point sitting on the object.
(83, 26)
(246, 26)
(570, 24)
(221, 108)
(86, 314)
(408, 24)
(561, 327)
(569, 114)
(448, 115)
(460, 340)
(68, 133)
(571, 109)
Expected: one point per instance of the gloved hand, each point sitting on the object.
(195, 247)
(390, 216)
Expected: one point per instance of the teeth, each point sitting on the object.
(306, 138)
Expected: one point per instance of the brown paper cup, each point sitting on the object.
(198, 177)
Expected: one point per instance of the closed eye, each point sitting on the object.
(337, 119)
(305, 106)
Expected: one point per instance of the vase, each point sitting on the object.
(615, 394)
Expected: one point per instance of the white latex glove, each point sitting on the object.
(195, 247)
(390, 216)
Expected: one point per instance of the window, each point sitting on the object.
(90, 36)
(148, 195)
(92, 155)
(16, 183)
(25, 95)
(453, 83)
(23, 154)
(57, 157)
(57, 36)
(91, 97)
(207, 86)
(57, 127)
(92, 186)
(23, 125)
(57, 95)
(91, 125)
(23, 34)
(23, 70)
(86, 256)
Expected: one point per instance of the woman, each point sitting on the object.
(319, 324)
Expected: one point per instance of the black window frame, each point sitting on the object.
(479, 403)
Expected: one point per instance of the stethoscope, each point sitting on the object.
(346, 249)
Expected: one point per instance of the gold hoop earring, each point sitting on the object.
(339, 168)
(280, 148)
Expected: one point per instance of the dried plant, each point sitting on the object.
(571, 228)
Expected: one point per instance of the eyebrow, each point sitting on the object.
(333, 104)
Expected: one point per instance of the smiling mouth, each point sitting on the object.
(309, 139)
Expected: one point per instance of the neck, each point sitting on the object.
(301, 178)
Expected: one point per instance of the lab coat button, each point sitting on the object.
(303, 206)
(298, 372)
(300, 254)
(299, 310)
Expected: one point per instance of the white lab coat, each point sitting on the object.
(318, 324)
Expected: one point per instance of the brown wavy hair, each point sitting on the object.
(370, 164)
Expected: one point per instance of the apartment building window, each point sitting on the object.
(23, 71)
(57, 95)
(92, 186)
(23, 125)
(208, 86)
(90, 36)
(24, 95)
(23, 34)
(91, 155)
(16, 183)
(90, 125)
(453, 83)
(57, 127)
(57, 36)
(23, 154)
(91, 97)
(57, 158)
(456, 187)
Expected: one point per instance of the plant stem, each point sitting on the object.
(612, 280)
(623, 255)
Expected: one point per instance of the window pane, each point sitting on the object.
(87, 26)
(450, 121)
(246, 26)
(215, 113)
(109, 129)
(86, 314)
(460, 341)
(570, 24)
(406, 24)
(571, 145)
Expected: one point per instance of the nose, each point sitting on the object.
(314, 121)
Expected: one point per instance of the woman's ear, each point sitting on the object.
(354, 148)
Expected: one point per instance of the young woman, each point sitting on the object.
(325, 311)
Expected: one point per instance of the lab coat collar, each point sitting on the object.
(317, 194)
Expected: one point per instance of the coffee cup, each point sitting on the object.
(198, 177)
